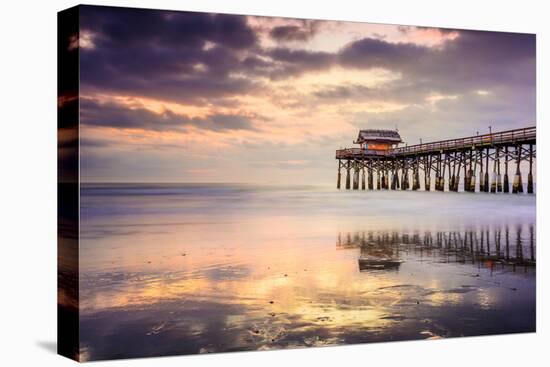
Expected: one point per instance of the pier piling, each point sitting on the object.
(348, 167)
(499, 180)
(453, 177)
(371, 185)
(404, 178)
(339, 174)
(486, 187)
(467, 172)
(460, 162)
(518, 184)
(506, 183)
(442, 176)
(481, 174)
(355, 176)
(428, 173)
(494, 177)
(530, 174)
(472, 173)
(417, 174)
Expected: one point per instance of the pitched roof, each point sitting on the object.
(379, 135)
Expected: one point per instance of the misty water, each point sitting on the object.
(181, 269)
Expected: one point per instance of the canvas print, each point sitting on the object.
(243, 183)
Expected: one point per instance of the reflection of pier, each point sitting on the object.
(505, 247)
(379, 162)
(378, 264)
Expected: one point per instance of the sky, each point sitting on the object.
(170, 96)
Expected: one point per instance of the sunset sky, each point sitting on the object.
(196, 97)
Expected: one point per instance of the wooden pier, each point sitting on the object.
(483, 163)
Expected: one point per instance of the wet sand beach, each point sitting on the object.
(190, 268)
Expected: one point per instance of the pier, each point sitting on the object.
(482, 163)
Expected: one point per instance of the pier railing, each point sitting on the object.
(519, 136)
(503, 137)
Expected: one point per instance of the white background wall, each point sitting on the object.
(28, 182)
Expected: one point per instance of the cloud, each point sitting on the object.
(473, 57)
(472, 61)
(156, 53)
(195, 58)
(340, 92)
(440, 30)
(300, 33)
(377, 53)
(291, 62)
(132, 27)
(289, 33)
(115, 115)
(95, 143)
(185, 57)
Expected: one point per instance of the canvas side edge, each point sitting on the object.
(68, 184)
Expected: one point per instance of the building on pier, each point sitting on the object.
(378, 140)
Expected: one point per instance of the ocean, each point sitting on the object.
(170, 269)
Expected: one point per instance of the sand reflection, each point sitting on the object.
(371, 286)
(182, 269)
